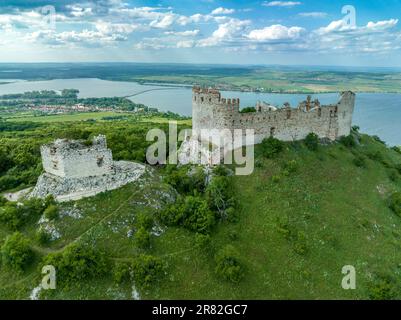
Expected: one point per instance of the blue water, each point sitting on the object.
(375, 113)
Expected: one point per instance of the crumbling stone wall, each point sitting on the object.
(73, 159)
(211, 111)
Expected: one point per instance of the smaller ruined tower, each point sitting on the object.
(73, 159)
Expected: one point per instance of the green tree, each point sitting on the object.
(16, 252)
(271, 147)
(312, 141)
(142, 238)
(147, 270)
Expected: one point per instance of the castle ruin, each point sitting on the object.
(76, 169)
(73, 159)
(211, 111)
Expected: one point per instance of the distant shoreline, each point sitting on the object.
(189, 86)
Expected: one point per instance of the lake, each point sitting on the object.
(375, 113)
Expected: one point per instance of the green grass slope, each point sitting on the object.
(301, 217)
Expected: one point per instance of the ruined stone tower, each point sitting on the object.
(73, 159)
(211, 111)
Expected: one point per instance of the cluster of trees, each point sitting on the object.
(144, 270)
(16, 252)
(16, 215)
(202, 201)
(19, 162)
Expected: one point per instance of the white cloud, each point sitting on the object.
(316, 14)
(336, 26)
(275, 32)
(227, 31)
(164, 21)
(222, 10)
(186, 33)
(382, 25)
(281, 3)
(185, 44)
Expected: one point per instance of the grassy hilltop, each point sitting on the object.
(283, 232)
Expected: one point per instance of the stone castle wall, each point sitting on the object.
(211, 111)
(72, 159)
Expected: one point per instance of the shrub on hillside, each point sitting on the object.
(395, 203)
(78, 262)
(185, 179)
(14, 215)
(221, 197)
(271, 147)
(147, 270)
(122, 272)
(144, 220)
(359, 161)
(377, 138)
(348, 141)
(191, 212)
(16, 252)
(375, 155)
(228, 265)
(396, 149)
(393, 175)
(42, 237)
(312, 141)
(51, 212)
(202, 241)
(11, 216)
(290, 167)
(383, 288)
(142, 238)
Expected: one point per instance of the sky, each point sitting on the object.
(346, 33)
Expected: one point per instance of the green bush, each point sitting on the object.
(78, 262)
(395, 203)
(228, 265)
(248, 110)
(42, 237)
(142, 238)
(16, 252)
(191, 212)
(393, 175)
(398, 167)
(383, 288)
(144, 220)
(276, 178)
(11, 216)
(220, 196)
(312, 141)
(186, 179)
(348, 141)
(51, 212)
(196, 215)
(396, 149)
(122, 272)
(202, 241)
(375, 156)
(290, 167)
(359, 161)
(147, 270)
(377, 138)
(271, 147)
